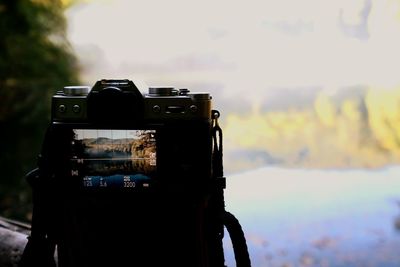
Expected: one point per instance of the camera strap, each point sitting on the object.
(231, 223)
(218, 170)
(40, 248)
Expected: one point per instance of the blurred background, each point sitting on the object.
(309, 93)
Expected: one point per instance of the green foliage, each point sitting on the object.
(35, 61)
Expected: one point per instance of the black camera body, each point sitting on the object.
(122, 102)
(130, 177)
(167, 131)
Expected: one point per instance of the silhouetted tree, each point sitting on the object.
(35, 61)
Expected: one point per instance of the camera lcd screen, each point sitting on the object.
(114, 158)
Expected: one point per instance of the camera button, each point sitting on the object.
(184, 91)
(193, 108)
(156, 109)
(76, 109)
(62, 108)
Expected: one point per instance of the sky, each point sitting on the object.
(240, 46)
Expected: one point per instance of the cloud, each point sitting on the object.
(259, 44)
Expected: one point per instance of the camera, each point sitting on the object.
(129, 176)
(119, 137)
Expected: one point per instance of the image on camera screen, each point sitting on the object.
(114, 158)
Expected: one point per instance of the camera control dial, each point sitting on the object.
(76, 90)
(162, 91)
(200, 96)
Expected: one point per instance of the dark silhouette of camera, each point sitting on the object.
(130, 178)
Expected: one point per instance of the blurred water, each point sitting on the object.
(299, 217)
